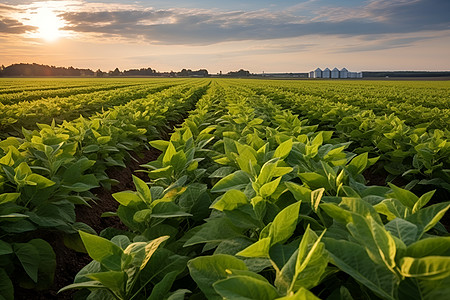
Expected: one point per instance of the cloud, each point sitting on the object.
(189, 26)
(182, 26)
(382, 44)
(10, 26)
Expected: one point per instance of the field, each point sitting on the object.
(197, 188)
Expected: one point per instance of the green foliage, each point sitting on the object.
(245, 201)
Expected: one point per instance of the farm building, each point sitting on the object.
(318, 73)
(335, 73)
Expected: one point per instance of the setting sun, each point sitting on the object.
(48, 24)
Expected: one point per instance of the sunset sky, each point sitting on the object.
(257, 35)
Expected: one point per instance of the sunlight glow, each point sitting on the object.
(48, 23)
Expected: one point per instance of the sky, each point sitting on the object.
(226, 35)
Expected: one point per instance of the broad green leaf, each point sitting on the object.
(214, 230)
(162, 288)
(267, 170)
(40, 181)
(102, 250)
(28, 256)
(142, 189)
(283, 149)
(301, 294)
(113, 280)
(47, 263)
(300, 193)
(5, 248)
(392, 208)
(170, 152)
(269, 188)
(353, 260)
(258, 249)
(165, 172)
(82, 285)
(429, 267)
(423, 200)
(142, 215)
(8, 197)
(179, 294)
(404, 230)
(167, 209)
(360, 207)
(103, 140)
(178, 161)
(337, 212)
(306, 265)
(151, 248)
(434, 246)
(413, 288)
(236, 180)
(358, 164)
(284, 224)
(310, 255)
(426, 218)
(245, 287)
(314, 180)
(280, 254)
(378, 242)
(127, 197)
(404, 196)
(22, 171)
(161, 145)
(6, 286)
(206, 270)
(230, 200)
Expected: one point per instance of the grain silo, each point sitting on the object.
(335, 73)
(343, 73)
(318, 73)
(326, 73)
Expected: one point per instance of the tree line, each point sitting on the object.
(32, 70)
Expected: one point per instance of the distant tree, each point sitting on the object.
(43, 70)
(240, 73)
(99, 73)
(116, 72)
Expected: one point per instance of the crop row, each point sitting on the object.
(413, 102)
(247, 201)
(13, 98)
(414, 152)
(47, 172)
(27, 114)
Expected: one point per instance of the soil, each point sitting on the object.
(69, 262)
(378, 176)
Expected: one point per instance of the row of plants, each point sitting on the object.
(375, 95)
(50, 170)
(414, 102)
(17, 97)
(418, 154)
(17, 85)
(28, 114)
(247, 201)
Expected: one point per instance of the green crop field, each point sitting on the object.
(190, 188)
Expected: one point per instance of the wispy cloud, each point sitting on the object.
(182, 26)
(189, 26)
(10, 26)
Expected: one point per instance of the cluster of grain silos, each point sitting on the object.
(335, 73)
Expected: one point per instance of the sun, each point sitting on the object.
(48, 24)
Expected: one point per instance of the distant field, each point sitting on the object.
(224, 188)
